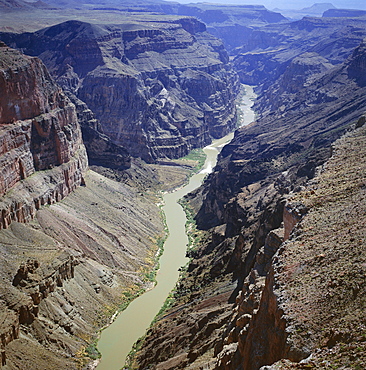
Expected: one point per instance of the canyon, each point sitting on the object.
(94, 113)
(159, 87)
(75, 245)
(226, 314)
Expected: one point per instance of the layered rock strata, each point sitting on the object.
(269, 50)
(99, 147)
(230, 23)
(310, 309)
(158, 87)
(67, 272)
(43, 157)
(238, 208)
(71, 255)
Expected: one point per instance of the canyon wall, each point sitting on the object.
(269, 50)
(310, 307)
(65, 273)
(75, 246)
(43, 157)
(230, 288)
(99, 147)
(159, 86)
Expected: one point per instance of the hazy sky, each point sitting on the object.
(286, 4)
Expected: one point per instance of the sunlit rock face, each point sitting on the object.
(159, 88)
(39, 132)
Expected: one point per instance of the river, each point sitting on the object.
(117, 339)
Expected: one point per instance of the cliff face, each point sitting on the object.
(43, 160)
(311, 307)
(165, 86)
(71, 255)
(39, 132)
(100, 148)
(231, 23)
(240, 209)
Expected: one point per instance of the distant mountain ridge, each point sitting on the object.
(344, 13)
(316, 10)
(22, 5)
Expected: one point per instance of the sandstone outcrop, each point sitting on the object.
(159, 87)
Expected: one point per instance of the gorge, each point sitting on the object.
(98, 105)
(143, 79)
(114, 344)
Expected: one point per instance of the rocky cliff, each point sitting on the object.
(71, 255)
(229, 22)
(240, 210)
(159, 87)
(43, 160)
(40, 139)
(100, 148)
(69, 270)
(310, 308)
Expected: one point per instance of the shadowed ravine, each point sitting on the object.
(116, 341)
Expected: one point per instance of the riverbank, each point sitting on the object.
(117, 340)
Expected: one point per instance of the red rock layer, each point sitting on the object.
(39, 131)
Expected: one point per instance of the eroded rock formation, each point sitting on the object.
(43, 159)
(67, 267)
(159, 87)
(268, 51)
(100, 148)
(311, 288)
(42, 154)
(238, 208)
